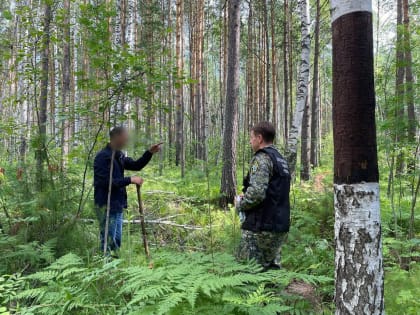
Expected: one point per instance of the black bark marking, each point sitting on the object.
(354, 100)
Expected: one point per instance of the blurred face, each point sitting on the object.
(255, 141)
(120, 141)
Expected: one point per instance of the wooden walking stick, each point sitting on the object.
(142, 223)
(108, 203)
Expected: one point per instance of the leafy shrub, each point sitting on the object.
(402, 291)
(17, 256)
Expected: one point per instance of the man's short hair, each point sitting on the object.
(117, 131)
(266, 130)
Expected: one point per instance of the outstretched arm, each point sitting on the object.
(137, 165)
(132, 165)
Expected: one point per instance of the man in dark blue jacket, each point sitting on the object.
(102, 167)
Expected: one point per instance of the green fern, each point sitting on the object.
(179, 284)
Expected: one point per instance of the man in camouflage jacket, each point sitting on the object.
(264, 207)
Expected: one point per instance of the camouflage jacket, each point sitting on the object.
(260, 172)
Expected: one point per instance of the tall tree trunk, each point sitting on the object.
(305, 144)
(41, 153)
(399, 89)
(230, 134)
(358, 252)
(170, 84)
(249, 70)
(291, 61)
(315, 92)
(409, 79)
(274, 64)
(302, 89)
(286, 61)
(65, 89)
(267, 62)
(150, 47)
(52, 92)
(179, 97)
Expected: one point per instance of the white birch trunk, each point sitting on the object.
(358, 253)
(302, 88)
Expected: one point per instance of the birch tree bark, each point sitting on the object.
(358, 251)
(302, 88)
(230, 134)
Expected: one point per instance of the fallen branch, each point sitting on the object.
(165, 222)
(156, 221)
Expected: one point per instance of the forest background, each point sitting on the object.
(72, 69)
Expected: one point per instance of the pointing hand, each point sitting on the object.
(155, 148)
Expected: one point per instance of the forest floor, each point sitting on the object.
(184, 221)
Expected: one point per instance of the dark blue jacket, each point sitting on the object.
(119, 182)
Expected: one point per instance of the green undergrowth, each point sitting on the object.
(193, 270)
(174, 283)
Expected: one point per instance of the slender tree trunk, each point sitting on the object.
(305, 144)
(274, 64)
(170, 85)
(409, 79)
(65, 89)
(399, 89)
(286, 60)
(302, 89)
(358, 253)
(149, 42)
(230, 135)
(249, 72)
(291, 62)
(315, 92)
(41, 153)
(267, 62)
(52, 92)
(179, 97)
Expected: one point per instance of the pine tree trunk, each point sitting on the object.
(41, 153)
(150, 47)
(409, 79)
(305, 144)
(230, 134)
(286, 69)
(358, 252)
(249, 72)
(170, 85)
(274, 65)
(303, 85)
(179, 97)
(315, 93)
(399, 89)
(267, 62)
(52, 91)
(65, 89)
